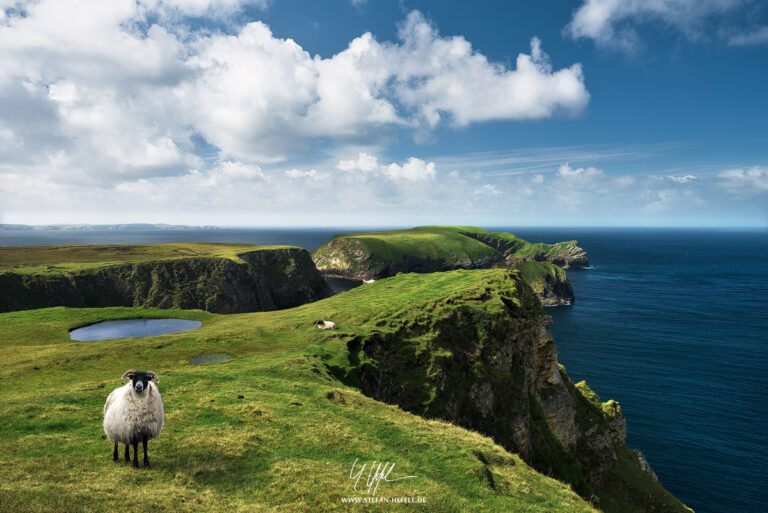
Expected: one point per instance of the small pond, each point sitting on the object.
(132, 328)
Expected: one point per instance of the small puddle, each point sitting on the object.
(132, 328)
(210, 358)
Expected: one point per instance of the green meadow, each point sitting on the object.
(269, 430)
(73, 258)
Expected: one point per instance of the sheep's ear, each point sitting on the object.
(154, 376)
(128, 374)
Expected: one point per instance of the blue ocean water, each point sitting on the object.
(671, 323)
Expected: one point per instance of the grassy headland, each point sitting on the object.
(221, 278)
(276, 427)
(374, 255)
(74, 258)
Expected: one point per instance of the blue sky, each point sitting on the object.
(280, 112)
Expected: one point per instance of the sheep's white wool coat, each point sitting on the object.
(129, 416)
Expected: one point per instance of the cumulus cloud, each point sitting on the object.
(682, 179)
(755, 178)
(260, 96)
(579, 174)
(99, 93)
(613, 24)
(412, 170)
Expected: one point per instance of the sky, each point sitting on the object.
(384, 113)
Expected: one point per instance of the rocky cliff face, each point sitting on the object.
(487, 361)
(268, 280)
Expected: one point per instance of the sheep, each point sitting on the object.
(326, 325)
(133, 413)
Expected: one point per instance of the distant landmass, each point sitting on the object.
(113, 227)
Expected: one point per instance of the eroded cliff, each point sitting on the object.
(484, 358)
(266, 279)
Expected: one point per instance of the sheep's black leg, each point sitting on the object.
(136, 454)
(114, 454)
(146, 457)
(127, 453)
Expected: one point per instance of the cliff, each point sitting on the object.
(246, 280)
(482, 357)
(376, 255)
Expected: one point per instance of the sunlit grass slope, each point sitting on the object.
(72, 258)
(287, 445)
(447, 243)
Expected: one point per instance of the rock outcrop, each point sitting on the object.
(267, 279)
(485, 359)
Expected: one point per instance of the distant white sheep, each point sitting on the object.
(368, 281)
(134, 413)
(326, 325)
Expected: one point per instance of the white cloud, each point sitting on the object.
(259, 96)
(755, 177)
(612, 23)
(487, 189)
(682, 179)
(99, 93)
(749, 38)
(299, 173)
(364, 162)
(580, 174)
(412, 170)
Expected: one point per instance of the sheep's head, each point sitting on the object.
(140, 379)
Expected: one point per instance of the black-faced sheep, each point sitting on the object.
(326, 325)
(134, 413)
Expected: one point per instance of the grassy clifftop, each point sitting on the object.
(222, 278)
(375, 255)
(280, 424)
(74, 258)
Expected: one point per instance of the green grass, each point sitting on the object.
(287, 445)
(377, 250)
(535, 274)
(73, 258)
(428, 242)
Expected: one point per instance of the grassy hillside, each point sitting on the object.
(73, 258)
(289, 443)
(447, 244)
(374, 255)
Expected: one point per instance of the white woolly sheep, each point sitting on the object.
(134, 413)
(326, 325)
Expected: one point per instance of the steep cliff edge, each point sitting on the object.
(375, 255)
(247, 280)
(482, 356)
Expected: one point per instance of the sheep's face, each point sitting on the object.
(140, 380)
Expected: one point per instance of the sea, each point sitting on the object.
(672, 323)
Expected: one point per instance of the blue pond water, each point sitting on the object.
(132, 328)
(671, 323)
